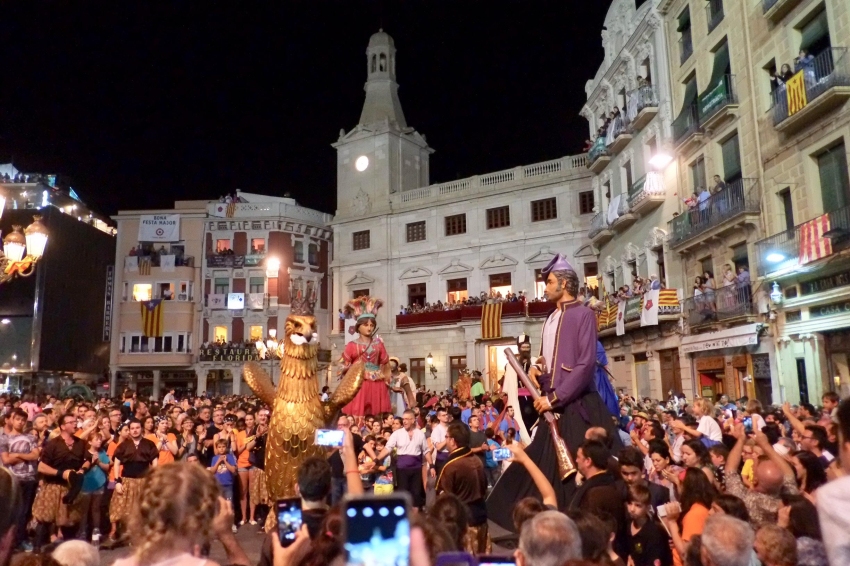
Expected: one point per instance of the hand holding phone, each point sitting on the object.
(330, 437)
(377, 526)
(501, 454)
(289, 520)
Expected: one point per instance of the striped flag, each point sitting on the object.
(145, 265)
(795, 91)
(152, 318)
(813, 244)
(491, 321)
(231, 209)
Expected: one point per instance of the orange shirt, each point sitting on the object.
(692, 524)
(111, 452)
(165, 455)
(242, 460)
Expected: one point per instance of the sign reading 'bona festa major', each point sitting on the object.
(159, 228)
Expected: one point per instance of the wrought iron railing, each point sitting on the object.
(598, 150)
(720, 96)
(686, 46)
(597, 224)
(649, 186)
(828, 69)
(686, 124)
(716, 305)
(782, 251)
(739, 197)
(640, 98)
(714, 14)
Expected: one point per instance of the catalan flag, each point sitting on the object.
(795, 91)
(145, 265)
(231, 209)
(491, 321)
(152, 318)
(813, 244)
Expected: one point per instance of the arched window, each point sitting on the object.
(382, 65)
(374, 63)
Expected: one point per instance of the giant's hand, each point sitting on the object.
(541, 404)
(533, 373)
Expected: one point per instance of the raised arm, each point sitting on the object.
(780, 462)
(796, 423)
(541, 482)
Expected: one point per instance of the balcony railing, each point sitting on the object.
(515, 309)
(782, 251)
(829, 69)
(721, 304)
(686, 124)
(739, 197)
(686, 46)
(668, 306)
(646, 187)
(226, 261)
(639, 99)
(597, 224)
(598, 150)
(155, 260)
(714, 14)
(718, 98)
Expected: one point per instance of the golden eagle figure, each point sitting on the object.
(296, 406)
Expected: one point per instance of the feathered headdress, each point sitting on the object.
(302, 296)
(364, 307)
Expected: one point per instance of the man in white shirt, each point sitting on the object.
(413, 458)
(834, 498)
(440, 453)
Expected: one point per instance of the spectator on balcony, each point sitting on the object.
(743, 276)
(704, 195)
(654, 283)
(729, 278)
(719, 185)
(805, 62)
(133, 252)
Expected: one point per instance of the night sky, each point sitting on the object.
(140, 103)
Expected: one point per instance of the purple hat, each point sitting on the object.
(558, 263)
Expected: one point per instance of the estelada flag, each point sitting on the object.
(152, 318)
(491, 321)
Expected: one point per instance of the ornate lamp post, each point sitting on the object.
(13, 261)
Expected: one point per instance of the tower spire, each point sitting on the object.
(381, 88)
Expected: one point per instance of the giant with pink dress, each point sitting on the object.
(374, 395)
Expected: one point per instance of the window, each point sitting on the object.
(698, 174)
(220, 334)
(257, 285)
(539, 284)
(545, 209)
(740, 257)
(167, 343)
(814, 35)
(627, 174)
(360, 293)
(222, 245)
(591, 275)
(221, 285)
(360, 240)
(185, 293)
(142, 291)
(455, 224)
(585, 202)
(498, 217)
(313, 254)
(500, 283)
(834, 182)
(706, 264)
(166, 291)
(416, 294)
(417, 371)
(731, 159)
(299, 252)
(686, 46)
(456, 290)
(258, 245)
(416, 231)
(787, 208)
(456, 365)
(255, 333)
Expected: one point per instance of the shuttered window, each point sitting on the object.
(731, 159)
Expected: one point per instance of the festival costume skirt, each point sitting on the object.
(123, 504)
(515, 483)
(48, 506)
(258, 491)
(372, 399)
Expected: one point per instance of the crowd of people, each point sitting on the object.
(803, 62)
(696, 483)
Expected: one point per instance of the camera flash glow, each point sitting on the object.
(368, 512)
(399, 511)
(383, 511)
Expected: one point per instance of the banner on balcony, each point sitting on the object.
(795, 91)
(159, 228)
(216, 300)
(668, 302)
(649, 308)
(152, 318)
(145, 265)
(350, 333)
(813, 244)
(255, 300)
(491, 321)
(225, 210)
(613, 208)
(131, 263)
(621, 318)
(166, 262)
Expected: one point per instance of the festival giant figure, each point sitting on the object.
(566, 374)
(296, 407)
(374, 395)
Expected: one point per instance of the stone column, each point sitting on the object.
(156, 383)
(236, 372)
(201, 377)
(113, 383)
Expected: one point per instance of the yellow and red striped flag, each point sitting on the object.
(145, 265)
(813, 244)
(231, 209)
(491, 321)
(152, 318)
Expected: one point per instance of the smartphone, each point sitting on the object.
(376, 529)
(495, 560)
(500, 454)
(288, 519)
(456, 559)
(330, 437)
(748, 425)
(661, 511)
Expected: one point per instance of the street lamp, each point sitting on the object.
(430, 361)
(13, 261)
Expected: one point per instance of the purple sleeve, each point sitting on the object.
(570, 383)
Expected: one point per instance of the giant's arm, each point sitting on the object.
(347, 389)
(259, 382)
(569, 384)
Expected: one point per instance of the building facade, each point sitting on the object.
(406, 241)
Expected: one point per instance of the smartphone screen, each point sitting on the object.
(500, 454)
(377, 530)
(748, 425)
(288, 519)
(332, 437)
(495, 560)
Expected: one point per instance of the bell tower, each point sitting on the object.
(382, 155)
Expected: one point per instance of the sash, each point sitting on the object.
(408, 462)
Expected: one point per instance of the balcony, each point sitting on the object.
(646, 194)
(236, 301)
(642, 107)
(725, 210)
(775, 10)
(618, 136)
(714, 14)
(686, 46)
(599, 232)
(598, 157)
(144, 263)
(719, 104)
(625, 216)
(823, 85)
(726, 305)
(687, 133)
(669, 309)
(781, 252)
(225, 260)
(453, 317)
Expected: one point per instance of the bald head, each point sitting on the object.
(596, 433)
(769, 478)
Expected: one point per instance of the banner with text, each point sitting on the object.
(159, 228)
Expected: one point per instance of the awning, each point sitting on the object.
(688, 100)
(718, 87)
(746, 335)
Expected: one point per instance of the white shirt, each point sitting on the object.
(407, 445)
(709, 427)
(550, 336)
(676, 448)
(438, 435)
(833, 503)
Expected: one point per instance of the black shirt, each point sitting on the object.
(335, 460)
(57, 454)
(206, 455)
(135, 460)
(649, 544)
(476, 439)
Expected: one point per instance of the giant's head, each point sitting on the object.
(301, 339)
(561, 279)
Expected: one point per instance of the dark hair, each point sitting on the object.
(18, 412)
(455, 412)
(733, 506)
(314, 478)
(524, 510)
(450, 512)
(696, 489)
(638, 493)
(772, 432)
(630, 456)
(815, 474)
(818, 434)
(596, 452)
(803, 518)
(327, 545)
(719, 450)
(460, 433)
(831, 396)
(489, 433)
(657, 430)
(659, 447)
(699, 449)
(568, 279)
(593, 533)
(809, 407)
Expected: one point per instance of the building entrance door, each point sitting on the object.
(496, 362)
(671, 372)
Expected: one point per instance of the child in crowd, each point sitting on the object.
(491, 467)
(648, 543)
(366, 463)
(718, 454)
(383, 470)
(224, 468)
(94, 484)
